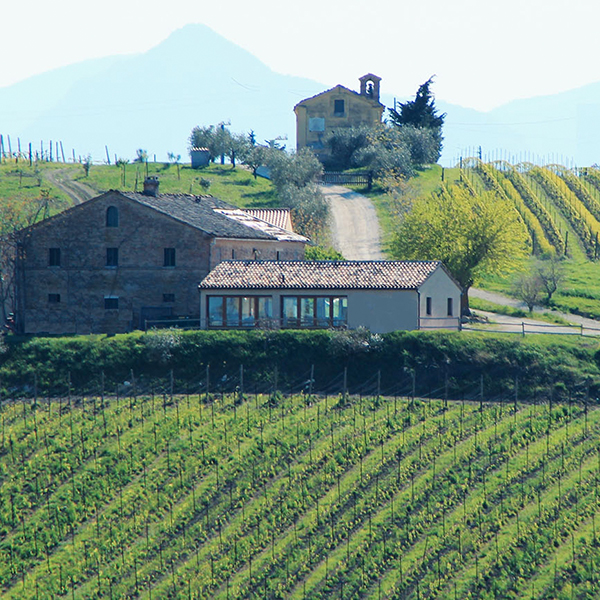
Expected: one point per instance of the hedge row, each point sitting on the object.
(456, 364)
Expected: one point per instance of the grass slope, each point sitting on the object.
(20, 182)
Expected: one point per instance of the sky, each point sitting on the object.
(483, 54)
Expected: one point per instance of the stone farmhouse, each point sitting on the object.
(380, 295)
(336, 109)
(119, 260)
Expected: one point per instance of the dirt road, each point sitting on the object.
(577, 320)
(78, 192)
(354, 224)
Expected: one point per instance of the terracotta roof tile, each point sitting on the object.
(244, 274)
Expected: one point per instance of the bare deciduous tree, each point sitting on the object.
(528, 287)
(15, 219)
(551, 274)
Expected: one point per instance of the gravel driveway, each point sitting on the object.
(354, 224)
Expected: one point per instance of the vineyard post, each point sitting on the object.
(310, 383)
(481, 393)
(171, 382)
(241, 382)
(207, 384)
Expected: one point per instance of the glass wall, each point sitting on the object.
(239, 311)
(314, 311)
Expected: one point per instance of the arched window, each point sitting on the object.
(112, 216)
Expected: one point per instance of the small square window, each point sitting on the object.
(112, 257)
(338, 108)
(169, 257)
(168, 297)
(111, 302)
(53, 298)
(54, 257)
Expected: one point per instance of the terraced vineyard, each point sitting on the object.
(187, 496)
(560, 208)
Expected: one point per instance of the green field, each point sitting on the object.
(193, 496)
(19, 181)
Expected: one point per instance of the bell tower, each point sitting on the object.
(369, 86)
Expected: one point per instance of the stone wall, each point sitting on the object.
(83, 280)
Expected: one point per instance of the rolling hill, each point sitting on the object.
(153, 100)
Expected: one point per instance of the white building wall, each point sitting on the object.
(439, 287)
(383, 310)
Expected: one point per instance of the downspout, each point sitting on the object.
(418, 310)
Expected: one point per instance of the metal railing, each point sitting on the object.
(341, 178)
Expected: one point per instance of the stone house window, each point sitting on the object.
(54, 257)
(169, 257)
(428, 306)
(112, 216)
(53, 298)
(112, 257)
(111, 302)
(450, 307)
(168, 297)
(339, 108)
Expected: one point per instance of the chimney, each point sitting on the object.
(151, 186)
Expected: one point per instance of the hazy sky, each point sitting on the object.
(483, 53)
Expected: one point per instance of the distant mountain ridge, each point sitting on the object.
(196, 77)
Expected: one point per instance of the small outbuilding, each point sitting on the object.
(380, 295)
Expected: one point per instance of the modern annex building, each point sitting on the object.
(380, 295)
